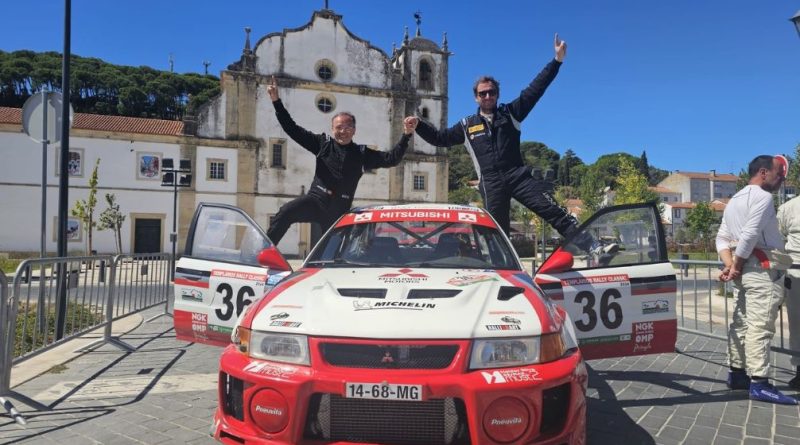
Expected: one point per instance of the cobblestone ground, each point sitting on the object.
(164, 393)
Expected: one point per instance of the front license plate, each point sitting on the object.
(383, 391)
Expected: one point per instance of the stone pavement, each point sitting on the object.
(164, 392)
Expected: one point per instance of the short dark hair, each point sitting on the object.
(759, 162)
(344, 113)
(483, 79)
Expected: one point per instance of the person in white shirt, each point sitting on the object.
(747, 242)
(789, 224)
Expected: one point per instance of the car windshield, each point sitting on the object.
(435, 244)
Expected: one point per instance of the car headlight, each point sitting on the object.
(273, 346)
(507, 352)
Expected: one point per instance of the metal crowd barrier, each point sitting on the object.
(705, 305)
(54, 300)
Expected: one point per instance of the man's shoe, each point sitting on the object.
(603, 254)
(795, 382)
(738, 380)
(763, 391)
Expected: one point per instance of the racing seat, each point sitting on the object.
(447, 246)
(383, 250)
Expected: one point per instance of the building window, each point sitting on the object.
(425, 75)
(326, 70)
(74, 162)
(425, 113)
(665, 198)
(276, 155)
(216, 169)
(420, 182)
(325, 103)
(676, 213)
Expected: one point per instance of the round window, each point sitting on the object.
(324, 104)
(326, 70)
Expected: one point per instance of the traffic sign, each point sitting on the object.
(41, 117)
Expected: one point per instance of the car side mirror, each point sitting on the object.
(559, 261)
(271, 258)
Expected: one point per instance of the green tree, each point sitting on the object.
(566, 168)
(537, 154)
(643, 166)
(84, 209)
(464, 195)
(591, 191)
(701, 222)
(632, 186)
(112, 218)
(460, 167)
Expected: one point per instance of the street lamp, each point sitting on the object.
(175, 177)
(796, 21)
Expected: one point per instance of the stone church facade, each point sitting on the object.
(239, 153)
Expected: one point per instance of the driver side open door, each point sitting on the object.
(228, 264)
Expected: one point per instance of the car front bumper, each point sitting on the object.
(264, 402)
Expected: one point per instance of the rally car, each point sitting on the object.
(418, 324)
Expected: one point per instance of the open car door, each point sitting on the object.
(228, 264)
(622, 298)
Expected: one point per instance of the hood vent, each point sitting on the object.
(432, 293)
(508, 292)
(362, 293)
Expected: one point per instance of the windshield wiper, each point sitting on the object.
(336, 262)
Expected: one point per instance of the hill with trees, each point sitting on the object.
(99, 87)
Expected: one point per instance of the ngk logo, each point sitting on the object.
(197, 317)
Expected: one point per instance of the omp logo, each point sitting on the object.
(467, 217)
(362, 217)
(493, 377)
(268, 410)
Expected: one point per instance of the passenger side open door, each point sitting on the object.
(228, 264)
(622, 300)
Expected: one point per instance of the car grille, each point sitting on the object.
(388, 356)
(432, 422)
(232, 393)
(555, 403)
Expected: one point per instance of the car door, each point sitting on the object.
(228, 264)
(621, 298)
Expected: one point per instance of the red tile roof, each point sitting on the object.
(724, 177)
(99, 122)
(658, 189)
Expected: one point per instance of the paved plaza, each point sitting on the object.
(164, 392)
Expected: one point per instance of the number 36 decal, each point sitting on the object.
(609, 309)
(243, 298)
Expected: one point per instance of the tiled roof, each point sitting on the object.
(99, 122)
(658, 189)
(725, 177)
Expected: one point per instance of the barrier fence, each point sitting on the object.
(54, 300)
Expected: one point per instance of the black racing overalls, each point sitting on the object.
(336, 175)
(494, 148)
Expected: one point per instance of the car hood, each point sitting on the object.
(408, 303)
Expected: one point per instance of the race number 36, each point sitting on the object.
(244, 296)
(608, 310)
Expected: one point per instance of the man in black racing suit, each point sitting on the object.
(339, 166)
(492, 138)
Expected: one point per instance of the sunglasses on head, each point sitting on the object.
(487, 93)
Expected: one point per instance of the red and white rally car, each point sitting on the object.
(417, 324)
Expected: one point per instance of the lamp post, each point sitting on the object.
(175, 177)
(796, 20)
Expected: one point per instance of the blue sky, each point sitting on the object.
(699, 85)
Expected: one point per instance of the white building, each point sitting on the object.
(238, 152)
